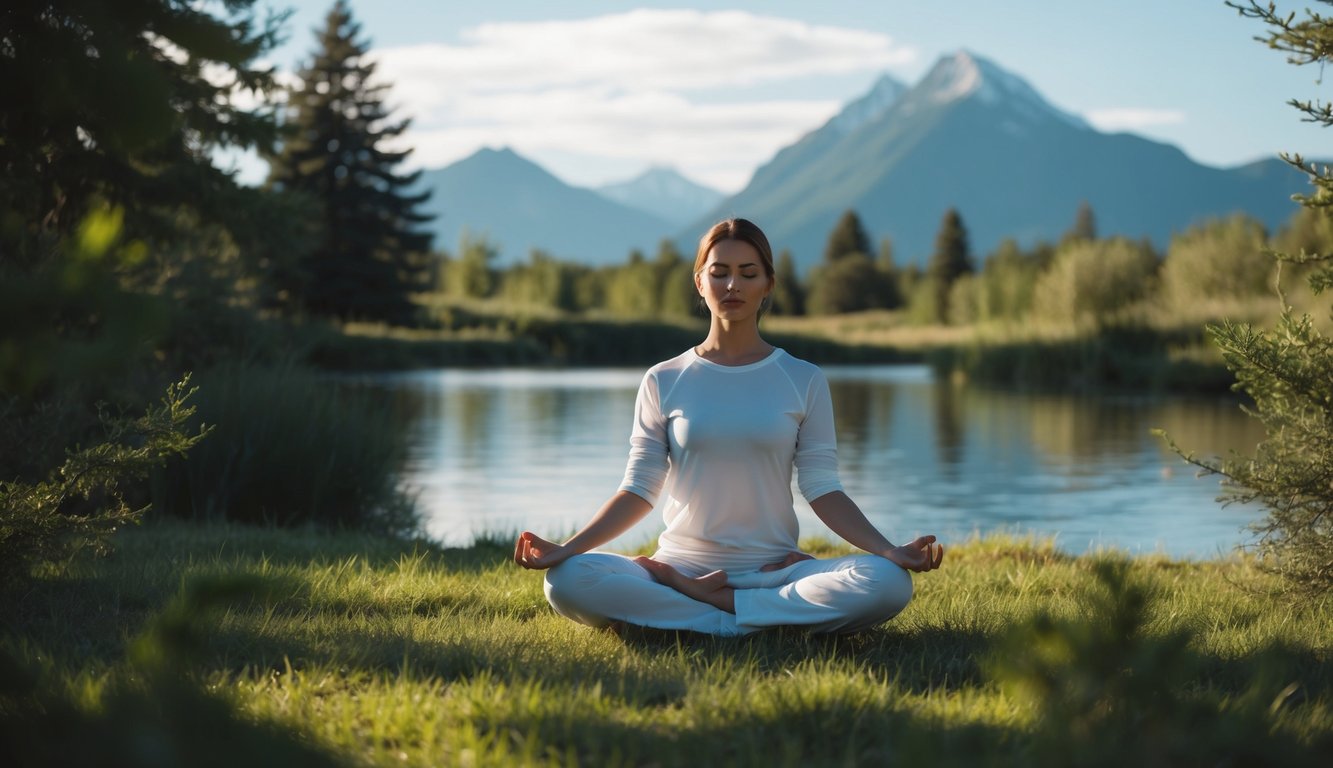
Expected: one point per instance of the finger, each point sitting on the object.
(939, 555)
(518, 548)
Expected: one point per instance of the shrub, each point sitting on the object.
(83, 502)
(1091, 281)
(1288, 371)
(1219, 259)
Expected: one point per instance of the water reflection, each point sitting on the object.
(498, 451)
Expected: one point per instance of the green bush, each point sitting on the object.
(289, 447)
(1108, 690)
(83, 501)
(1091, 281)
(1220, 259)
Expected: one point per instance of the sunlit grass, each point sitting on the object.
(390, 653)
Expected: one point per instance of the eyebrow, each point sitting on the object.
(740, 266)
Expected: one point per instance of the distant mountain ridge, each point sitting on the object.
(518, 206)
(973, 136)
(968, 135)
(664, 193)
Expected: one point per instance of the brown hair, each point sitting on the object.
(735, 229)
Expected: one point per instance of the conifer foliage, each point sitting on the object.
(1288, 370)
(370, 245)
(110, 103)
(951, 260)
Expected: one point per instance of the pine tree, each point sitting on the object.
(950, 261)
(1085, 224)
(368, 257)
(846, 238)
(111, 105)
(1288, 371)
(889, 274)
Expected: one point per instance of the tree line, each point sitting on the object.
(1082, 279)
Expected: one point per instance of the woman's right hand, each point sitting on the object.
(534, 552)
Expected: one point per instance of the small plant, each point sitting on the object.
(1109, 691)
(83, 501)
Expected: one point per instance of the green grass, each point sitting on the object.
(353, 649)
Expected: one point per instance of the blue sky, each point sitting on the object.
(600, 91)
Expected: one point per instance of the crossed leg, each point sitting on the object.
(838, 595)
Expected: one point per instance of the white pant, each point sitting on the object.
(839, 595)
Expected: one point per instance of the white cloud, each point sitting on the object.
(1133, 118)
(662, 86)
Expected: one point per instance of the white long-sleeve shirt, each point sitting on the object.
(722, 441)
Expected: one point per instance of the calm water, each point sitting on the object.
(500, 451)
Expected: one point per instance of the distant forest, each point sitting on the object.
(1082, 279)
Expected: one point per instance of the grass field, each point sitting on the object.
(227, 645)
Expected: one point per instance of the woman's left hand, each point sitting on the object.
(922, 554)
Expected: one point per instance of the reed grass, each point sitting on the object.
(287, 447)
(368, 651)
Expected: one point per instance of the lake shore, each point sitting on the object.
(1078, 360)
(345, 648)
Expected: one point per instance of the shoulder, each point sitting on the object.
(673, 366)
(663, 375)
(801, 372)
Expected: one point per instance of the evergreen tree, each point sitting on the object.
(846, 238)
(367, 259)
(1085, 224)
(788, 295)
(1288, 371)
(890, 276)
(104, 105)
(950, 260)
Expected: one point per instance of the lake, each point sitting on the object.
(498, 451)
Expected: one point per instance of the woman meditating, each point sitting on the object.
(720, 429)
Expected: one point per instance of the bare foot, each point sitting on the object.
(710, 588)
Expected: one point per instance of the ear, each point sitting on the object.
(698, 283)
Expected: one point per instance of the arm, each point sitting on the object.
(645, 473)
(616, 516)
(844, 518)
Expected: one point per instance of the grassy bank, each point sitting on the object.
(517, 339)
(349, 649)
(1149, 354)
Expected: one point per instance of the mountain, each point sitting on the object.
(664, 193)
(519, 206)
(972, 136)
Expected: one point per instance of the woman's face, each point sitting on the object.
(732, 281)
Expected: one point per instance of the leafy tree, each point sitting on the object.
(472, 275)
(846, 238)
(950, 260)
(890, 275)
(366, 261)
(1092, 282)
(1288, 370)
(788, 294)
(1216, 260)
(850, 284)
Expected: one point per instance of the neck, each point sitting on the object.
(733, 343)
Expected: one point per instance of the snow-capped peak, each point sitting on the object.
(884, 94)
(966, 75)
